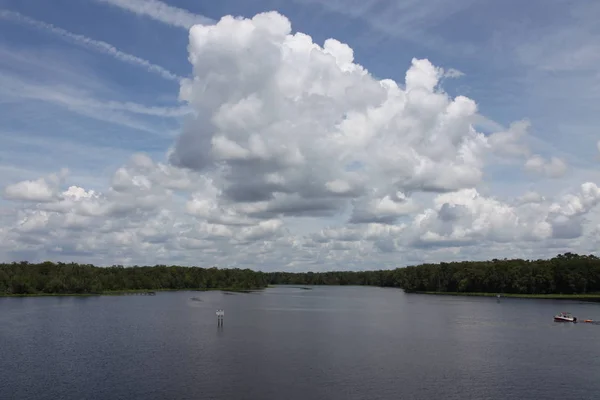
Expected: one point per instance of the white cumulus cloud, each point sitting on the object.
(296, 122)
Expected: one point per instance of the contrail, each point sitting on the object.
(162, 12)
(86, 42)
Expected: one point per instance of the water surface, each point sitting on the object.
(289, 343)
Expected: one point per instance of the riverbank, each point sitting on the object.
(130, 292)
(595, 297)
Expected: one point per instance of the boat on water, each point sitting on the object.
(565, 317)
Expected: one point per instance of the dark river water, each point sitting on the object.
(288, 343)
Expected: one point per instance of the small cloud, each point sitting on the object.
(42, 190)
(511, 142)
(453, 73)
(529, 198)
(552, 168)
(38, 190)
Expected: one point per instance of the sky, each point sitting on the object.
(298, 135)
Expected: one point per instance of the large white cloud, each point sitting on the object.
(293, 122)
(284, 129)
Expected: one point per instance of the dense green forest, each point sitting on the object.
(566, 273)
(62, 278)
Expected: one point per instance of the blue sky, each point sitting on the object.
(87, 102)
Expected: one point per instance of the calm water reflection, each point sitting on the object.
(289, 343)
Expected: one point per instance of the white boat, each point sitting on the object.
(565, 317)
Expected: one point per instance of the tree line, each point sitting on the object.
(72, 278)
(566, 273)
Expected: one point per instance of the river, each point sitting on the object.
(334, 343)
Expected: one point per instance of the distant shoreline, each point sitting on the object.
(595, 297)
(128, 292)
(567, 273)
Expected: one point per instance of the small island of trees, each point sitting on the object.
(566, 274)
